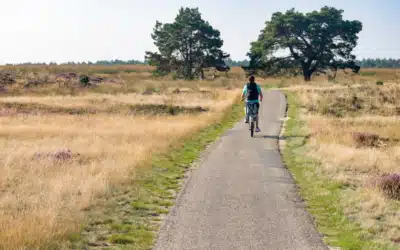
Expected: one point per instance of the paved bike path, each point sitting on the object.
(241, 196)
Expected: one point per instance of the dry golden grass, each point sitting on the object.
(43, 198)
(334, 113)
(42, 80)
(333, 142)
(342, 160)
(342, 80)
(374, 74)
(340, 130)
(36, 192)
(366, 99)
(189, 98)
(109, 148)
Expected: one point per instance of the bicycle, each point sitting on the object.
(252, 114)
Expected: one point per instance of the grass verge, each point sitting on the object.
(321, 194)
(133, 216)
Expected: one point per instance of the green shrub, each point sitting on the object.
(84, 80)
(174, 76)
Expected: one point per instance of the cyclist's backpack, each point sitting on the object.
(252, 92)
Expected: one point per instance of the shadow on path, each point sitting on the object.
(281, 137)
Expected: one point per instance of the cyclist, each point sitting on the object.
(254, 95)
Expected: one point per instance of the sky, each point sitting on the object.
(91, 30)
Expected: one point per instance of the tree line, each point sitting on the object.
(364, 63)
(291, 43)
(379, 63)
(100, 62)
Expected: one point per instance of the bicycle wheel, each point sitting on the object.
(252, 129)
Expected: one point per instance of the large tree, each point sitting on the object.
(186, 46)
(317, 41)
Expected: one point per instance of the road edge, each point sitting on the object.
(336, 230)
(231, 119)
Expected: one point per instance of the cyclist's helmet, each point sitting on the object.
(251, 78)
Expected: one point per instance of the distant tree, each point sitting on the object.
(186, 46)
(117, 61)
(233, 63)
(312, 42)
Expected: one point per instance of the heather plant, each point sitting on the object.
(389, 184)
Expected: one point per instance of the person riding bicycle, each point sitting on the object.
(254, 95)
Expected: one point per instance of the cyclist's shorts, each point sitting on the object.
(257, 106)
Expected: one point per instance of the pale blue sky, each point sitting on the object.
(83, 30)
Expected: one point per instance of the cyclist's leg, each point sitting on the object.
(246, 112)
(257, 109)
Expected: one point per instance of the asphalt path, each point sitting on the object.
(241, 196)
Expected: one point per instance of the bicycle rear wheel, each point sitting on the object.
(252, 128)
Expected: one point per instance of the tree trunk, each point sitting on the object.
(307, 75)
(190, 60)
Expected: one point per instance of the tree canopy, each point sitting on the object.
(186, 46)
(313, 42)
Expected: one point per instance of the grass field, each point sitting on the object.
(67, 147)
(97, 166)
(352, 156)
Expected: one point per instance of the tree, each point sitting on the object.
(186, 46)
(313, 42)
